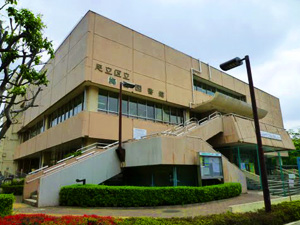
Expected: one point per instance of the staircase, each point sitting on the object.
(278, 184)
(33, 200)
(99, 162)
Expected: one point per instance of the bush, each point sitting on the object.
(129, 196)
(14, 187)
(6, 204)
(25, 219)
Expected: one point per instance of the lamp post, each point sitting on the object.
(230, 65)
(120, 150)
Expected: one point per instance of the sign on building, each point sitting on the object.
(139, 133)
(269, 135)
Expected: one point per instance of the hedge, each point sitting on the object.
(15, 187)
(6, 204)
(12, 189)
(130, 196)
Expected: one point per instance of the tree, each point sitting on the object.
(22, 46)
(293, 154)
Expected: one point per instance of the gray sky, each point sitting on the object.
(212, 30)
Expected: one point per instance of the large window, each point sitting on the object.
(139, 108)
(211, 90)
(68, 110)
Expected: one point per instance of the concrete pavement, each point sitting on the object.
(160, 211)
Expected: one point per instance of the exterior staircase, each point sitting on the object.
(278, 183)
(33, 200)
(99, 162)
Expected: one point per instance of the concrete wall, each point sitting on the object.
(165, 150)
(94, 169)
(8, 145)
(240, 130)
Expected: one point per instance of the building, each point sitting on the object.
(80, 108)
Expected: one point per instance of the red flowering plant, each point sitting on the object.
(36, 219)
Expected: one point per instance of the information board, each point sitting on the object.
(210, 165)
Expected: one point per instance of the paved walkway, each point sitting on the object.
(161, 211)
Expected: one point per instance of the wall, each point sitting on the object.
(263, 99)
(8, 145)
(165, 150)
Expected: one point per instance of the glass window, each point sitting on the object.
(125, 105)
(210, 91)
(166, 114)
(142, 108)
(150, 111)
(66, 111)
(71, 108)
(79, 103)
(113, 102)
(180, 116)
(75, 106)
(133, 107)
(102, 100)
(173, 115)
(158, 112)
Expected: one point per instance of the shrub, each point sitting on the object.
(6, 204)
(129, 196)
(12, 189)
(51, 220)
(15, 187)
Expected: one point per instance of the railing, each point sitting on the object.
(185, 127)
(83, 150)
(284, 188)
(174, 131)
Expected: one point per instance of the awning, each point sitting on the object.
(225, 104)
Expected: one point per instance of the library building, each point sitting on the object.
(184, 122)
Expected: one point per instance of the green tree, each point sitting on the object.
(292, 159)
(22, 45)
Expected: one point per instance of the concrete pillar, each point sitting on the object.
(92, 93)
(186, 115)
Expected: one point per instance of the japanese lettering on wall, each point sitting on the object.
(116, 73)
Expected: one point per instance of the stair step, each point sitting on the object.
(34, 197)
(30, 201)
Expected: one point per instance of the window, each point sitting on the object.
(166, 114)
(150, 111)
(158, 112)
(113, 102)
(173, 118)
(102, 100)
(124, 105)
(139, 108)
(133, 107)
(142, 108)
(211, 90)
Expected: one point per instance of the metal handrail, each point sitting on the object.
(38, 170)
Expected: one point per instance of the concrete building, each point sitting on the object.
(174, 93)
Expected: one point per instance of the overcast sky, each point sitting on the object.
(210, 30)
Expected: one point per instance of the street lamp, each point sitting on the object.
(121, 151)
(230, 65)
